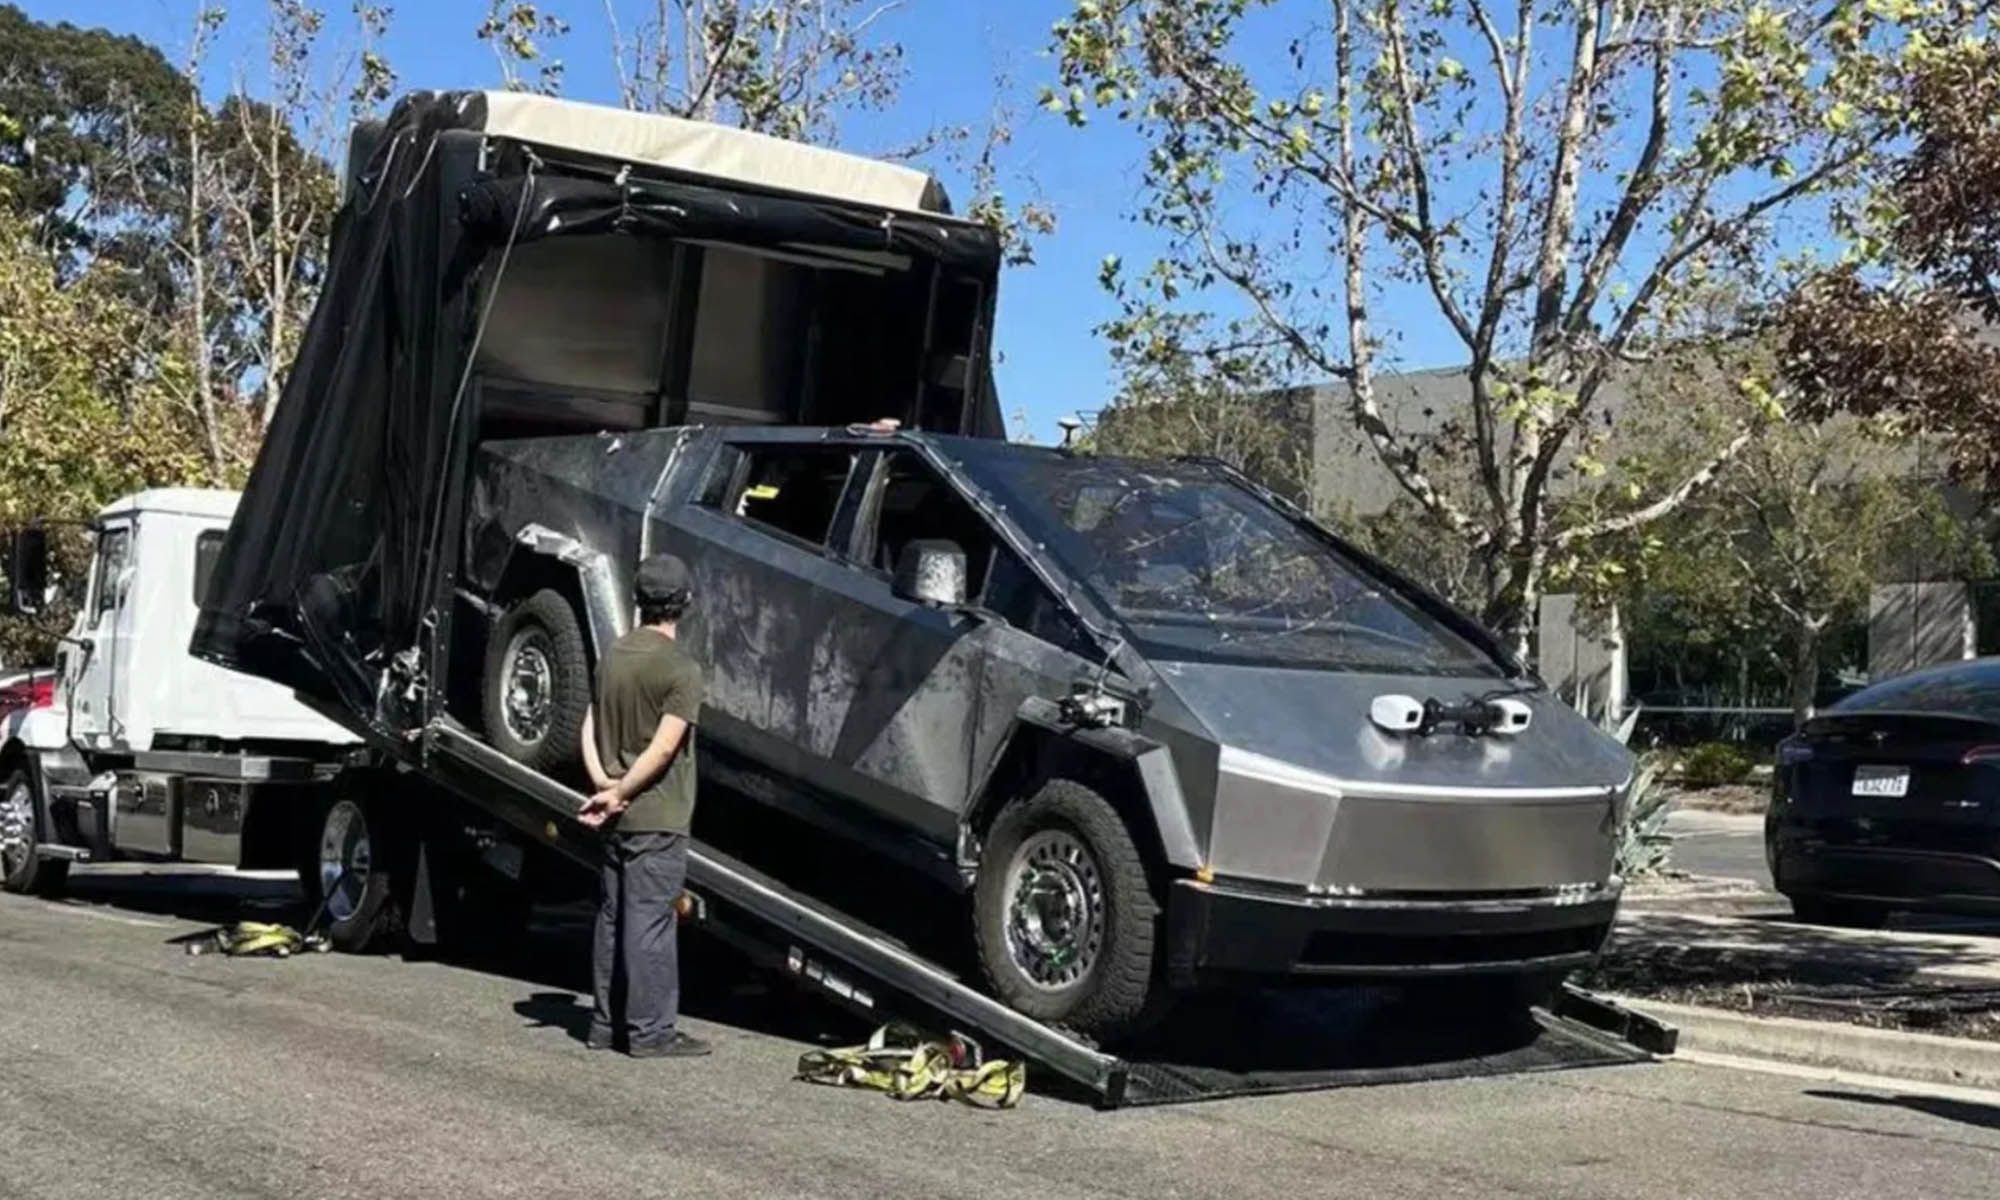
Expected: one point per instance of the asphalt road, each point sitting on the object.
(1728, 845)
(129, 1068)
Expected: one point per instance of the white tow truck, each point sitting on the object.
(148, 753)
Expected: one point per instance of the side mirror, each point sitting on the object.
(27, 571)
(931, 571)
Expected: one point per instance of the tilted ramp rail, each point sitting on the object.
(869, 973)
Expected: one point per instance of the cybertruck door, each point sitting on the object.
(756, 540)
(908, 701)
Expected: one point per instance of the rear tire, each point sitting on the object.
(1064, 914)
(536, 687)
(1850, 914)
(347, 870)
(22, 869)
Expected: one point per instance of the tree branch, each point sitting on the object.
(1674, 498)
(1410, 138)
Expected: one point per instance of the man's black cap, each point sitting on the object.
(661, 578)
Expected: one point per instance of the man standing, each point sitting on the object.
(638, 744)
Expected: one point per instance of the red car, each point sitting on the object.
(34, 688)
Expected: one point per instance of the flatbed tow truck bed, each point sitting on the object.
(869, 973)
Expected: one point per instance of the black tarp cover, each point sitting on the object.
(328, 573)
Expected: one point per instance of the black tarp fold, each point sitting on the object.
(331, 567)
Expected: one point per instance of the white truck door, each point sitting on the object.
(94, 668)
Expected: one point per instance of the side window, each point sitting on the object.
(114, 553)
(793, 490)
(1013, 591)
(207, 548)
(914, 502)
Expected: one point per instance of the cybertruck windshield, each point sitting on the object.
(1200, 568)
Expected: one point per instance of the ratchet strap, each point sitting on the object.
(251, 939)
(901, 1062)
(265, 939)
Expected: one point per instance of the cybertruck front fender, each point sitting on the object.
(1040, 733)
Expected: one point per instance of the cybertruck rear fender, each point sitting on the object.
(1134, 772)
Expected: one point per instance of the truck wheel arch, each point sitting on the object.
(1132, 772)
(542, 558)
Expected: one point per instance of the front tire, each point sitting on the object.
(347, 881)
(1064, 915)
(536, 687)
(22, 869)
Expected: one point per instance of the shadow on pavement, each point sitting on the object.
(1965, 1112)
(1276, 1035)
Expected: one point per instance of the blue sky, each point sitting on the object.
(1051, 363)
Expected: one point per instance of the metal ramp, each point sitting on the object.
(871, 974)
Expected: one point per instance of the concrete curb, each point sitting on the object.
(1921, 1057)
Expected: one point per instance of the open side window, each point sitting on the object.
(790, 490)
(911, 501)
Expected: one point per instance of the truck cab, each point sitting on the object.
(146, 751)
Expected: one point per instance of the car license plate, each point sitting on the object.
(1881, 781)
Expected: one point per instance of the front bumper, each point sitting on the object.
(1224, 929)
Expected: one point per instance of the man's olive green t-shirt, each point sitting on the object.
(647, 676)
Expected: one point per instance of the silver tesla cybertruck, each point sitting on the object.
(1167, 732)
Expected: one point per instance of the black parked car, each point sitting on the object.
(1891, 800)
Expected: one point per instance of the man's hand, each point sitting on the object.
(602, 807)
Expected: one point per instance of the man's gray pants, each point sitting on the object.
(636, 956)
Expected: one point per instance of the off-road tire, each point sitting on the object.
(370, 918)
(1850, 914)
(1112, 997)
(546, 615)
(32, 874)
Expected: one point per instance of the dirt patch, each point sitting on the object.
(1745, 798)
(1673, 884)
(1876, 999)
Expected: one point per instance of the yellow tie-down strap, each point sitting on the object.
(903, 1063)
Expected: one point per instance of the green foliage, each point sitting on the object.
(1715, 764)
(1643, 843)
(92, 146)
(92, 401)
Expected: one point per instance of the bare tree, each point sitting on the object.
(1563, 212)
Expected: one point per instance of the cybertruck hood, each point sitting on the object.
(1317, 721)
(1307, 792)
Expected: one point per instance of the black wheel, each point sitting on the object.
(1064, 917)
(21, 868)
(537, 682)
(347, 870)
(1853, 914)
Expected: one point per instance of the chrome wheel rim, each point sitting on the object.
(17, 827)
(1054, 903)
(344, 860)
(529, 671)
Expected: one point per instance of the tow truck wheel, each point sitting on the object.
(346, 872)
(1065, 920)
(537, 682)
(21, 868)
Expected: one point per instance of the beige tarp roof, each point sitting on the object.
(703, 149)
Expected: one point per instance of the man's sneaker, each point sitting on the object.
(680, 1045)
(599, 1038)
